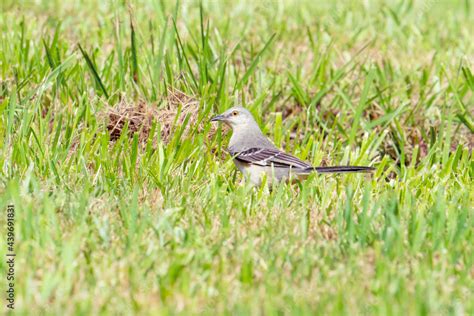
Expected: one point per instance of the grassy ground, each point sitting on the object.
(127, 203)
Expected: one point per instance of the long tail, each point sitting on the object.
(341, 169)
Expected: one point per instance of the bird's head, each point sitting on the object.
(235, 117)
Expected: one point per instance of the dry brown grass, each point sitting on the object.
(139, 116)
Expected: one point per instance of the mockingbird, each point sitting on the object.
(256, 157)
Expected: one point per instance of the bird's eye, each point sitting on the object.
(235, 113)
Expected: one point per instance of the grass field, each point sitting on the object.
(126, 201)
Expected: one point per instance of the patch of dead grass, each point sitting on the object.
(139, 116)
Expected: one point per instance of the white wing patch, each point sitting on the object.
(270, 157)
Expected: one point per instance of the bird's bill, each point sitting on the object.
(218, 118)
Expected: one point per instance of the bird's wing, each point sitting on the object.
(269, 157)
